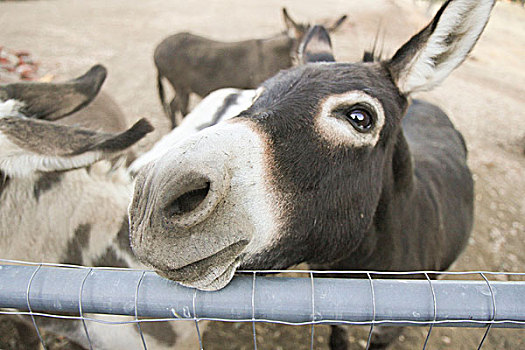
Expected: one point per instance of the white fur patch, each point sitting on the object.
(248, 206)
(202, 114)
(10, 108)
(248, 156)
(461, 18)
(342, 132)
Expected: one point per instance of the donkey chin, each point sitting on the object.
(211, 273)
(195, 252)
(191, 256)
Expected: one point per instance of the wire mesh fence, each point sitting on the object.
(78, 293)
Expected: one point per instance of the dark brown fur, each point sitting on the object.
(55, 100)
(76, 245)
(46, 182)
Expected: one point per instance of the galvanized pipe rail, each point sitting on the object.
(59, 290)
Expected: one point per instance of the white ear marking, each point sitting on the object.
(457, 30)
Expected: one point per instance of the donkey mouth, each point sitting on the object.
(211, 273)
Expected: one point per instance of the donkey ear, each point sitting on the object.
(316, 46)
(337, 24)
(52, 101)
(293, 29)
(31, 145)
(432, 54)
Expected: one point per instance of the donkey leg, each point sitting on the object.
(383, 336)
(174, 107)
(181, 102)
(17, 334)
(184, 102)
(338, 338)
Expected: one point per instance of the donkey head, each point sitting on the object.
(29, 139)
(299, 175)
(297, 31)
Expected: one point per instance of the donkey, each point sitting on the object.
(196, 64)
(61, 201)
(331, 165)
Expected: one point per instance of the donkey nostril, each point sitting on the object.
(191, 197)
(189, 201)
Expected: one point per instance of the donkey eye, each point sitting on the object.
(360, 119)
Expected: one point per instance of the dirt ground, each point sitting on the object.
(484, 97)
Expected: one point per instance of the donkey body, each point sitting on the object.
(192, 63)
(330, 165)
(62, 201)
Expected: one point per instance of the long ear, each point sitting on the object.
(294, 30)
(316, 46)
(52, 101)
(337, 24)
(432, 54)
(31, 145)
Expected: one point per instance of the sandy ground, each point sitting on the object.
(484, 97)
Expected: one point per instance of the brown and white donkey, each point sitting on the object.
(62, 201)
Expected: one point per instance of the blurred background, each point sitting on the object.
(60, 39)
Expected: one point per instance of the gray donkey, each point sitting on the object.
(61, 201)
(332, 165)
(192, 63)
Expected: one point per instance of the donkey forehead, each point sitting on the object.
(307, 86)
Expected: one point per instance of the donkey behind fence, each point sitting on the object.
(62, 201)
(331, 165)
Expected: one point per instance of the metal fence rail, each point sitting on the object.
(73, 292)
(275, 299)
